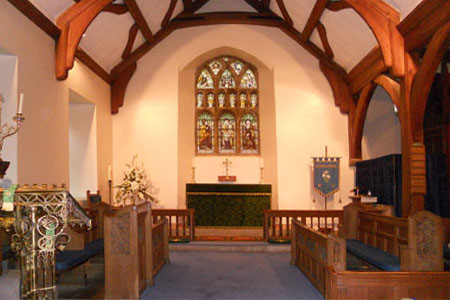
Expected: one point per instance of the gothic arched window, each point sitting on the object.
(227, 117)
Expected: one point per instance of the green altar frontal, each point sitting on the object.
(239, 205)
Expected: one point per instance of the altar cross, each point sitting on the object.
(226, 162)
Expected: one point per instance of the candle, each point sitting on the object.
(109, 173)
(193, 162)
(20, 103)
(261, 163)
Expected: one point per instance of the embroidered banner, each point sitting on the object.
(326, 175)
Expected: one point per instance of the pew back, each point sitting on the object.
(313, 251)
(382, 232)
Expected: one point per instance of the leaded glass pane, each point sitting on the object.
(248, 81)
(210, 99)
(237, 66)
(227, 80)
(227, 133)
(232, 97)
(215, 66)
(199, 99)
(249, 134)
(205, 133)
(221, 99)
(254, 100)
(243, 99)
(205, 80)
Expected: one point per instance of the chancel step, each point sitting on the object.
(231, 247)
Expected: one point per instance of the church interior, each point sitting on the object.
(136, 133)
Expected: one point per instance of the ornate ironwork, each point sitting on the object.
(40, 215)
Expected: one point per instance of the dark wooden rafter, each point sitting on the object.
(119, 87)
(323, 38)
(419, 26)
(287, 18)
(371, 66)
(337, 5)
(258, 5)
(40, 20)
(339, 87)
(194, 6)
(169, 13)
(267, 19)
(136, 13)
(131, 39)
(73, 23)
(186, 3)
(434, 54)
(314, 19)
(383, 21)
(356, 122)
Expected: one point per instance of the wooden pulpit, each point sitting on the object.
(128, 251)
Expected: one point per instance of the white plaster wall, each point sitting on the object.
(382, 133)
(8, 88)
(82, 148)
(306, 117)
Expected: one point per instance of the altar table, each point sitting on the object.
(240, 205)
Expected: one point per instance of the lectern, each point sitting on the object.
(128, 251)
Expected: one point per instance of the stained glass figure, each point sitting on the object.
(254, 100)
(215, 66)
(199, 99)
(225, 58)
(210, 100)
(232, 98)
(237, 66)
(205, 81)
(227, 133)
(227, 80)
(243, 99)
(205, 133)
(221, 99)
(249, 134)
(248, 81)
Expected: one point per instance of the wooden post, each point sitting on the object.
(293, 244)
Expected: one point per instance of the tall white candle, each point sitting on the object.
(109, 173)
(20, 103)
(261, 163)
(193, 162)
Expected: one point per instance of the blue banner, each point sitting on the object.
(326, 175)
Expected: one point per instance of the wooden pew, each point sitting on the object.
(334, 282)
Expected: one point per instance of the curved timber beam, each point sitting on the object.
(383, 20)
(421, 86)
(73, 23)
(357, 120)
(339, 87)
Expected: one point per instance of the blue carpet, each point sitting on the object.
(230, 275)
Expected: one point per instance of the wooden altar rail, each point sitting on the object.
(160, 245)
(278, 223)
(181, 222)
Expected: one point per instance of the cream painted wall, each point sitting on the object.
(43, 142)
(306, 118)
(82, 148)
(381, 135)
(8, 89)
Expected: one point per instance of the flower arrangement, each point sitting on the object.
(135, 188)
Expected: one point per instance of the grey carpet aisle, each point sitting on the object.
(230, 275)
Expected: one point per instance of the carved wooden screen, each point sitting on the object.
(227, 108)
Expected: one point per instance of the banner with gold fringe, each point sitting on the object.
(326, 175)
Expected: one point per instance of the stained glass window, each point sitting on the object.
(238, 66)
(215, 66)
(205, 81)
(227, 133)
(205, 133)
(227, 107)
(226, 80)
(249, 133)
(248, 81)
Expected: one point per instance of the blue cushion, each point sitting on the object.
(69, 259)
(94, 248)
(379, 258)
(6, 252)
